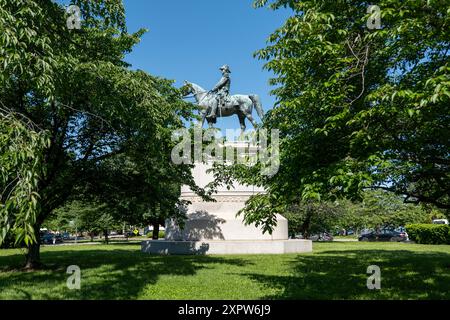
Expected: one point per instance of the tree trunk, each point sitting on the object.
(307, 223)
(155, 235)
(33, 256)
(305, 229)
(105, 233)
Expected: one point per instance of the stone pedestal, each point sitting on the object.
(214, 227)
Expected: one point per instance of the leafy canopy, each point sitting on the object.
(100, 120)
(357, 107)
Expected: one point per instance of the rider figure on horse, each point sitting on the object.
(222, 90)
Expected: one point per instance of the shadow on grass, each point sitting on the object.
(342, 275)
(105, 274)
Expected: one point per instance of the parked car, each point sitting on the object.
(384, 235)
(440, 221)
(131, 234)
(48, 238)
(321, 237)
(65, 236)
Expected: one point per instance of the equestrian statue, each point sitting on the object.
(218, 102)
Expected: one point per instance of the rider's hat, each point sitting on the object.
(225, 67)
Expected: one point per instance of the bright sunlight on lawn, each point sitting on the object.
(333, 271)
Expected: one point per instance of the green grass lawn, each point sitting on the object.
(334, 270)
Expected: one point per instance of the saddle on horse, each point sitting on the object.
(223, 99)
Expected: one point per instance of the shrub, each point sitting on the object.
(429, 233)
(161, 234)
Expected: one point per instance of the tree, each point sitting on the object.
(313, 217)
(380, 209)
(79, 216)
(76, 88)
(364, 107)
(20, 169)
(359, 107)
(156, 198)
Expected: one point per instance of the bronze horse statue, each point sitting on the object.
(240, 105)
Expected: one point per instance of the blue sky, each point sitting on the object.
(191, 39)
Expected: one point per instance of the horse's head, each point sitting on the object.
(187, 88)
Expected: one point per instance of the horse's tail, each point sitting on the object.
(258, 105)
